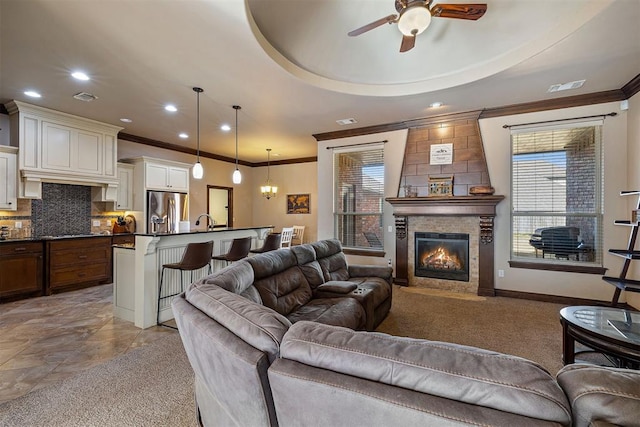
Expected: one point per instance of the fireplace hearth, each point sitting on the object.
(442, 255)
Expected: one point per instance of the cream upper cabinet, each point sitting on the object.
(166, 177)
(60, 147)
(124, 199)
(8, 178)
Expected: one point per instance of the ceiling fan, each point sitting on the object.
(414, 16)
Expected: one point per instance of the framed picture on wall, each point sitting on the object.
(298, 203)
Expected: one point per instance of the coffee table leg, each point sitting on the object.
(568, 345)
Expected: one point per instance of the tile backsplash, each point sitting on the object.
(63, 209)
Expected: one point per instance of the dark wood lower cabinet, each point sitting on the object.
(77, 263)
(21, 270)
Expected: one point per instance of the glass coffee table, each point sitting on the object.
(613, 332)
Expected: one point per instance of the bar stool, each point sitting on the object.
(239, 249)
(194, 257)
(271, 243)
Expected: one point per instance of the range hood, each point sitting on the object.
(62, 148)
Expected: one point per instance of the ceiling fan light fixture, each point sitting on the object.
(414, 20)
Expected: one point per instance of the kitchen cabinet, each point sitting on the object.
(21, 270)
(8, 178)
(58, 147)
(75, 263)
(124, 199)
(123, 239)
(166, 177)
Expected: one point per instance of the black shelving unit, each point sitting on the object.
(629, 254)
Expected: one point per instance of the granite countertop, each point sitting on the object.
(215, 230)
(61, 237)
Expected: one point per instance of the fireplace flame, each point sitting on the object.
(441, 259)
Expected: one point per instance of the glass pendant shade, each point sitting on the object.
(197, 171)
(237, 177)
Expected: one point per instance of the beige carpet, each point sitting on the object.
(152, 385)
(529, 329)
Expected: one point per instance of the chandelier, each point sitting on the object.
(269, 190)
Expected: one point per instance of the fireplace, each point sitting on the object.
(442, 256)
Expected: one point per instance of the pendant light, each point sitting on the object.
(237, 176)
(197, 170)
(269, 190)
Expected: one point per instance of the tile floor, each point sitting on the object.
(48, 339)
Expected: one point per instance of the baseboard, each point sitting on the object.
(557, 299)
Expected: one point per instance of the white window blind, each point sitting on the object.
(359, 196)
(557, 194)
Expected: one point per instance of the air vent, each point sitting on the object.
(346, 121)
(566, 86)
(84, 96)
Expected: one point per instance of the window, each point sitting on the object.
(556, 211)
(359, 196)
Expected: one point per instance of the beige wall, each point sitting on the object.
(299, 178)
(633, 178)
(497, 146)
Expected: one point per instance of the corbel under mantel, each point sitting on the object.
(484, 207)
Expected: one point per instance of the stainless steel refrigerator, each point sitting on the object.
(165, 210)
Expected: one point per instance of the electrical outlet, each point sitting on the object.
(108, 223)
(96, 223)
(500, 273)
(390, 229)
(18, 224)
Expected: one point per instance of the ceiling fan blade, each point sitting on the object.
(386, 20)
(459, 11)
(408, 42)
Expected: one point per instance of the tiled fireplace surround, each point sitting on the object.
(460, 213)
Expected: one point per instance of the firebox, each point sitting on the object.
(442, 256)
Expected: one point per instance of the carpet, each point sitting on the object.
(147, 386)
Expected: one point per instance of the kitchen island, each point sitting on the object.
(137, 269)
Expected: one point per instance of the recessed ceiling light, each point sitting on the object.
(346, 121)
(125, 120)
(225, 127)
(79, 75)
(32, 94)
(84, 96)
(170, 107)
(183, 135)
(435, 105)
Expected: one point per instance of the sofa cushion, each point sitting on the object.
(306, 256)
(236, 278)
(346, 312)
(259, 326)
(601, 395)
(331, 259)
(280, 282)
(461, 373)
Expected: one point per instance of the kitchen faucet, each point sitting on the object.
(209, 220)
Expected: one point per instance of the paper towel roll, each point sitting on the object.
(184, 226)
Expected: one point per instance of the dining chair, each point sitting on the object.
(285, 237)
(298, 235)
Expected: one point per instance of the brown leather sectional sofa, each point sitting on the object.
(253, 367)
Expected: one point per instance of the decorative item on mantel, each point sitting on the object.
(481, 190)
(409, 191)
(441, 186)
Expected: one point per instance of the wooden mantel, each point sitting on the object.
(482, 206)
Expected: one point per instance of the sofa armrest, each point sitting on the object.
(370, 271)
(337, 286)
(451, 371)
(601, 395)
